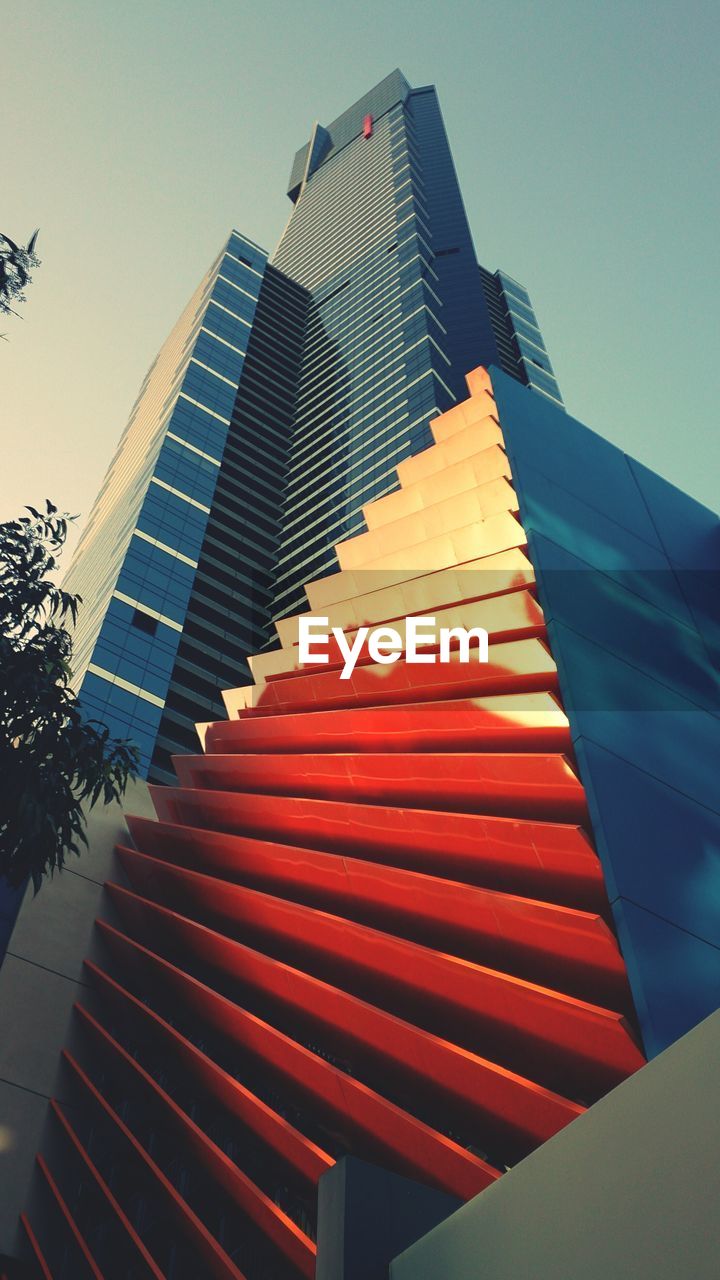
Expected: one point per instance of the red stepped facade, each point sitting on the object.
(370, 917)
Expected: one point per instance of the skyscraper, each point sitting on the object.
(387, 932)
(281, 404)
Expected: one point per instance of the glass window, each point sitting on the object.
(144, 622)
(540, 378)
(511, 286)
(530, 331)
(535, 355)
(517, 308)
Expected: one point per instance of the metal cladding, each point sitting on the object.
(627, 575)
(369, 919)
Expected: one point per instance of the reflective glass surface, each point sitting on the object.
(148, 525)
(280, 405)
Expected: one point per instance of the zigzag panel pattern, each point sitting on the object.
(368, 919)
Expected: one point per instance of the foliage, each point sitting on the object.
(16, 263)
(52, 760)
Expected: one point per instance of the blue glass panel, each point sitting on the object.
(209, 390)
(173, 521)
(251, 253)
(571, 521)
(512, 287)
(165, 595)
(528, 330)
(630, 615)
(641, 823)
(239, 274)
(657, 585)
(517, 308)
(225, 326)
(192, 423)
(538, 378)
(187, 471)
(690, 532)
(217, 355)
(544, 436)
(620, 707)
(675, 976)
(233, 299)
(632, 645)
(535, 356)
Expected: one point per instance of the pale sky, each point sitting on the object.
(136, 135)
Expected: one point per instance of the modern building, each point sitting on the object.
(281, 405)
(414, 973)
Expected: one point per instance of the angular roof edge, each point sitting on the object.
(393, 89)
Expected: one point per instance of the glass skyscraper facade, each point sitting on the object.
(279, 407)
(137, 565)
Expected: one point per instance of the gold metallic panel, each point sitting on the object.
(456, 546)
(444, 516)
(237, 700)
(478, 380)
(509, 568)
(420, 595)
(488, 575)
(500, 616)
(490, 464)
(465, 444)
(465, 414)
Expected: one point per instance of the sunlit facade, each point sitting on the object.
(136, 566)
(280, 407)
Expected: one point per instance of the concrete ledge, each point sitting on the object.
(629, 1191)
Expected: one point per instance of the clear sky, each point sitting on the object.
(135, 135)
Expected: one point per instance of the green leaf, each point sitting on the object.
(51, 758)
